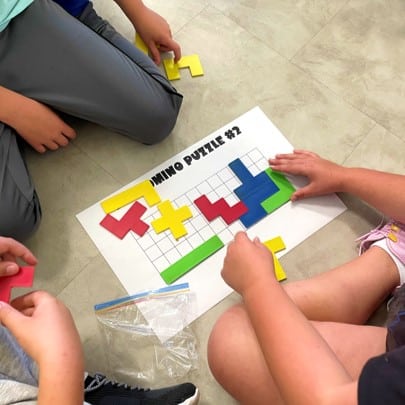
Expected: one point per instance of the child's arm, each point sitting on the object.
(384, 191)
(304, 367)
(41, 127)
(45, 329)
(153, 29)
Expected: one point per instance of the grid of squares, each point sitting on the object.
(163, 249)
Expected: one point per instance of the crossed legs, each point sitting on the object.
(338, 302)
(86, 69)
(83, 68)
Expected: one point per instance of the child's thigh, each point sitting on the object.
(353, 344)
(348, 293)
(233, 342)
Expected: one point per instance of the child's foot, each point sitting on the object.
(393, 232)
(101, 391)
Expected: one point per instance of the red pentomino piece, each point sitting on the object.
(220, 208)
(131, 221)
(24, 278)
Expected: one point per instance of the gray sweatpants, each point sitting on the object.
(18, 372)
(81, 67)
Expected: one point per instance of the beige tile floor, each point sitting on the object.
(329, 73)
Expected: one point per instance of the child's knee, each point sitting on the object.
(161, 126)
(19, 223)
(216, 350)
(222, 343)
(162, 119)
(154, 120)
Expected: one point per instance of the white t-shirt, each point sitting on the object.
(9, 9)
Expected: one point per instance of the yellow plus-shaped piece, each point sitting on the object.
(191, 61)
(172, 219)
(143, 189)
(276, 245)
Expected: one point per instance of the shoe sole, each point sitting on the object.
(192, 400)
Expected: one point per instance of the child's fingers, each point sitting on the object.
(8, 269)
(30, 300)
(9, 246)
(10, 317)
(154, 52)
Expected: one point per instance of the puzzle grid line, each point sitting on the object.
(162, 249)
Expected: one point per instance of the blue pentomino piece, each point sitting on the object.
(255, 213)
(251, 184)
(253, 191)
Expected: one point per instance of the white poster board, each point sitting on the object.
(203, 169)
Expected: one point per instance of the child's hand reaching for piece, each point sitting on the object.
(247, 263)
(156, 33)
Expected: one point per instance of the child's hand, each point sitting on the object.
(325, 177)
(44, 328)
(41, 127)
(155, 32)
(10, 252)
(247, 263)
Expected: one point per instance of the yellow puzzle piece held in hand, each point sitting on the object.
(276, 245)
(191, 61)
(141, 45)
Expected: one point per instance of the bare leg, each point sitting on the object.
(349, 293)
(237, 363)
(334, 301)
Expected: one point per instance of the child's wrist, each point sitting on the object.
(68, 355)
(259, 285)
(344, 178)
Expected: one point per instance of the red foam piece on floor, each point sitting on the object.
(24, 278)
(220, 208)
(131, 221)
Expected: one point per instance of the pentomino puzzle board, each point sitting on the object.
(229, 201)
(173, 223)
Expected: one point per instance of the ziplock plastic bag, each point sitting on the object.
(147, 335)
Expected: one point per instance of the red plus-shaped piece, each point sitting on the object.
(131, 221)
(24, 278)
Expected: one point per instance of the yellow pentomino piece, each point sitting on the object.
(191, 61)
(140, 44)
(172, 219)
(276, 245)
(143, 189)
